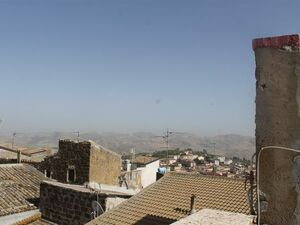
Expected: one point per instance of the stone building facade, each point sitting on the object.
(278, 124)
(80, 162)
(67, 204)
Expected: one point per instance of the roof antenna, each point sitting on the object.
(13, 139)
(132, 151)
(165, 137)
(78, 134)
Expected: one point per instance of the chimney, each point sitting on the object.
(193, 210)
(278, 124)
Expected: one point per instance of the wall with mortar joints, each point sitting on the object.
(70, 154)
(67, 206)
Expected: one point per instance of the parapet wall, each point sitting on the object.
(72, 204)
(278, 123)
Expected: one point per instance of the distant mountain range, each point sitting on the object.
(228, 145)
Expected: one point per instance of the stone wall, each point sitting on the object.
(92, 163)
(70, 155)
(72, 204)
(278, 123)
(105, 165)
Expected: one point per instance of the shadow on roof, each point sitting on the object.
(154, 220)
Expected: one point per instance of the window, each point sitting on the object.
(71, 174)
(48, 173)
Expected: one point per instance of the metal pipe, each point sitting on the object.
(193, 209)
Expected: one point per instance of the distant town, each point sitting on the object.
(149, 112)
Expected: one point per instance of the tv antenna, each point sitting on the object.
(78, 134)
(13, 139)
(165, 138)
(14, 135)
(132, 152)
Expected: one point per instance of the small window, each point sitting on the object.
(71, 175)
(48, 173)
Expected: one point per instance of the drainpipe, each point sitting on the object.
(193, 210)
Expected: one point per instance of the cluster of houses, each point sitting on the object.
(85, 183)
(205, 164)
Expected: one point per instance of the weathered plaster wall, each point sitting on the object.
(105, 166)
(278, 123)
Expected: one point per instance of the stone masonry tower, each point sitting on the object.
(278, 124)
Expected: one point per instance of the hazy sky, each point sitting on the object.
(127, 66)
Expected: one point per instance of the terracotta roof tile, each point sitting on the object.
(143, 160)
(19, 184)
(168, 200)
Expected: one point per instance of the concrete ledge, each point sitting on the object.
(215, 217)
(18, 218)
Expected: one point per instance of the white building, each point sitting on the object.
(201, 158)
(221, 159)
(217, 162)
(148, 167)
(228, 161)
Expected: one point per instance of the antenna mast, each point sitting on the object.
(132, 151)
(13, 139)
(166, 138)
(78, 134)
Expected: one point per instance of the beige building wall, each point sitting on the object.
(105, 165)
(278, 123)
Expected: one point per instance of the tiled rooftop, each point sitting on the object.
(36, 219)
(19, 187)
(168, 200)
(143, 160)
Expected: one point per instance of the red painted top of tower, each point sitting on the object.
(292, 40)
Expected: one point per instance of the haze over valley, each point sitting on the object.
(229, 145)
